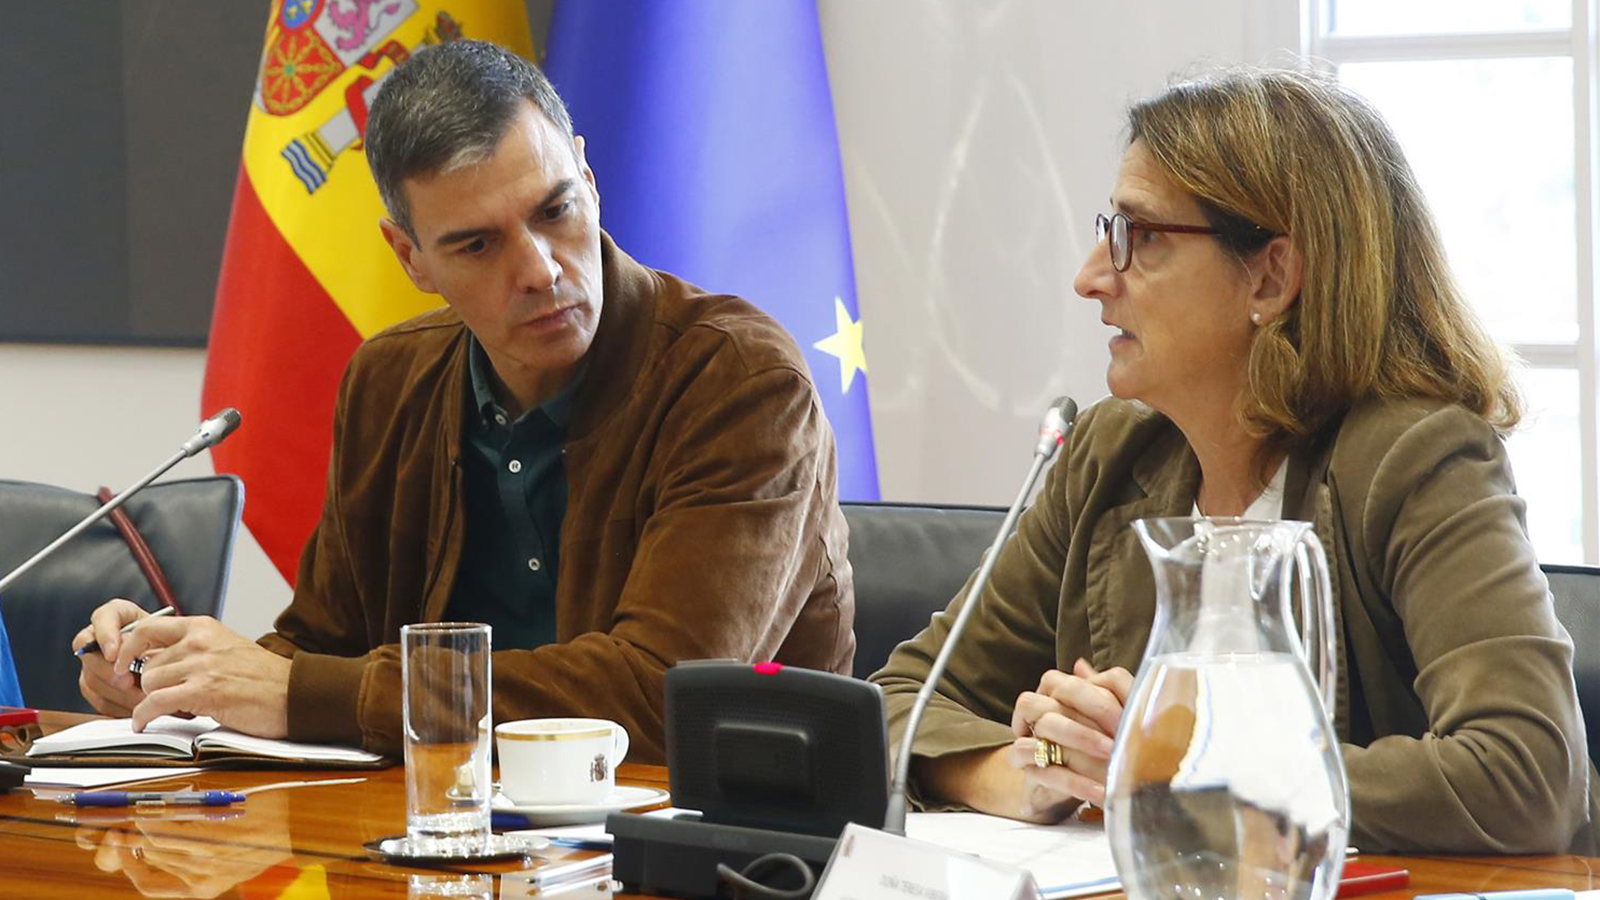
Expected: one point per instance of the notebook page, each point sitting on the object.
(165, 736)
(228, 739)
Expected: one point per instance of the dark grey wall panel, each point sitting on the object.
(190, 67)
(121, 124)
(62, 204)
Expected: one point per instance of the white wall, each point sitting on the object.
(82, 417)
(979, 139)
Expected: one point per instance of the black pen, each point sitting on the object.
(93, 646)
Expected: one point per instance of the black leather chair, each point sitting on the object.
(189, 525)
(910, 560)
(1576, 590)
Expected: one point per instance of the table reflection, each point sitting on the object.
(458, 887)
(192, 852)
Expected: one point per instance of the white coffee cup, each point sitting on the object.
(560, 761)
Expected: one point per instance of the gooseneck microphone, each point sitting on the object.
(1053, 430)
(211, 432)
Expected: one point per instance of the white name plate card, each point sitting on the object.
(870, 864)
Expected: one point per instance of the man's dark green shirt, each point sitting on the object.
(516, 496)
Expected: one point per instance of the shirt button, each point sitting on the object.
(500, 418)
(515, 466)
(534, 564)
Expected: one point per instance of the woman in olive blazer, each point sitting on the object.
(1289, 344)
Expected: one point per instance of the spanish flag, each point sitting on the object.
(305, 273)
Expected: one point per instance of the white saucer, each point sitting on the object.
(540, 815)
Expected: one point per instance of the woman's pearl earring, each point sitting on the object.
(1255, 317)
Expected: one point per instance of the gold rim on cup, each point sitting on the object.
(554, 736)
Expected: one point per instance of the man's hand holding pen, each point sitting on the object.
(106, 691)
(193, 665)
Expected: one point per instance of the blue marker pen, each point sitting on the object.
(507, 821)
(510, 821)
(153, 798)
(581, 843)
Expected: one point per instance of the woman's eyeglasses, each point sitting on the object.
(1119, 227)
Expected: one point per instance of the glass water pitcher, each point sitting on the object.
(1226, 781)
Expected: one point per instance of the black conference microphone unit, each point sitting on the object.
(210, 433)
(775, 760)
(1052, 434)
(778, 761)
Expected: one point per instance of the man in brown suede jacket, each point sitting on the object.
(615, 469)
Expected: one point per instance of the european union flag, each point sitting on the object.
(10, 688)
(710, 130)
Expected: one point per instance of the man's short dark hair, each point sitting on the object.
(448, 106)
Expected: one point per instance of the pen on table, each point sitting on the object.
(92, 646)
(573, 843)
(153, 798)
(545, 875)
(509, 821)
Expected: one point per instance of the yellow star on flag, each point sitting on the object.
(845, 344)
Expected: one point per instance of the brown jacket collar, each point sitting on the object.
(619, 349)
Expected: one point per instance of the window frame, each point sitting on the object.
(1328, 51)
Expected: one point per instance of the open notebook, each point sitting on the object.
(200, 741)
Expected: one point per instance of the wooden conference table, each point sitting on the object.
(303, 843)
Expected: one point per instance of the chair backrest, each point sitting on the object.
(1576, 591)
(190, 526)
(909, 560)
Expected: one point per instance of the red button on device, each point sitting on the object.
(768, 668)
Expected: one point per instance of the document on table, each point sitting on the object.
(90, 777)
(1067, 860)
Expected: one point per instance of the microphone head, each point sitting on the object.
(1066, 406)
(230, 420)
(1055, 425)
(212, 431)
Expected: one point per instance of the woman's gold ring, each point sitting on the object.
(1048, 753)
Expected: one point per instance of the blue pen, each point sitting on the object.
(153, 798)
(507, 821)
(1531, 894)
(580, 843)
(510, 821)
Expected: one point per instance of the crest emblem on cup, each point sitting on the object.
(560, 761)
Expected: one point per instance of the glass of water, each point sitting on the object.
(445, 670)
